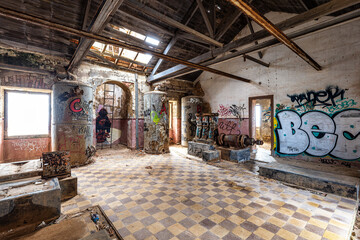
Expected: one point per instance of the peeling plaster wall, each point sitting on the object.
(337, 50)
(22, 148)
(96, 76)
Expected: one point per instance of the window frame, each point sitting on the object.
(6, 114)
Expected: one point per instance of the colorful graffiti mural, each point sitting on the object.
(317, 133)
(103, 125)
(155, 117)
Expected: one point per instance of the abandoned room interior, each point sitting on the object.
(169, 119)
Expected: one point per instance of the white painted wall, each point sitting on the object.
(337, 50)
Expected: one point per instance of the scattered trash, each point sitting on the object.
(62, 217)
(41, 225)
(94, 217)
(38, 183)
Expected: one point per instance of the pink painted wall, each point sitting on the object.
(231, 126)
(1, 139)
(131, 136)
(175, 132)
(25, 148)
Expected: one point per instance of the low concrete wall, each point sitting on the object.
(21, 213)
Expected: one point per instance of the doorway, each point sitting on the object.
(262, 120)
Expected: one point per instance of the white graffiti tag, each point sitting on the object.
(318, 134)
(30, 145)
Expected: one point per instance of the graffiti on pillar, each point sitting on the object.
(80, 110)
(319, 134)
(323, 98)
(156, 117)
(192, 125)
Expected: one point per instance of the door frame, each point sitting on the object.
(251, 112)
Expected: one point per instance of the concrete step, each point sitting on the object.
(341, 185)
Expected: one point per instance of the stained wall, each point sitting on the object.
(317, 113)
(21, 148)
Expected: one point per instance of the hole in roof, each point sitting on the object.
(129, 54)
(143, 58)
(152, 41)
(98, 46)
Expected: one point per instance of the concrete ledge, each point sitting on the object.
(344, 186)
(19, 170)
(68, 187)
(24, 205)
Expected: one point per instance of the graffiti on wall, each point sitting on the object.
(229, 126)
(38, 145)
(323, 98)
(233, 110)
(319, 134)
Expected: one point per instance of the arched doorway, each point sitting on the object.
(112, 107)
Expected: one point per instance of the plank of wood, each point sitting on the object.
(102, 17)
(317, 12)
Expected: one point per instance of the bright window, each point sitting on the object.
(27, 113)
(258, 115)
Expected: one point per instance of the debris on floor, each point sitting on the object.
(91, 223)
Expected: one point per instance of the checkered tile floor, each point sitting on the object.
(184, 199)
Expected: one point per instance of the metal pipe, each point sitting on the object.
(58, 27)
(136, 111)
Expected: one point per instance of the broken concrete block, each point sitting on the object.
(197, 148)
(24, 205)
(241, 155)
(210, 155)
(68, 187)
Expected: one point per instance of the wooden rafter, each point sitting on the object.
(80, 33)
(102, 17)
(151, 12)
(276, 32)
(314, 13)
(252, 32)
(206, 18)
(352, 16)
(190, 13)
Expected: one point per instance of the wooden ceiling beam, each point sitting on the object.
(314, 13)
(206, 18)
(102, 17)
(276, 32)
(343, 19)
(80, 33)
(227, 22)
(252, 32)
(151, 12)
(189, 14)
(146, 22)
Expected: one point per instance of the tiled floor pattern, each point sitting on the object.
(184, 199)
